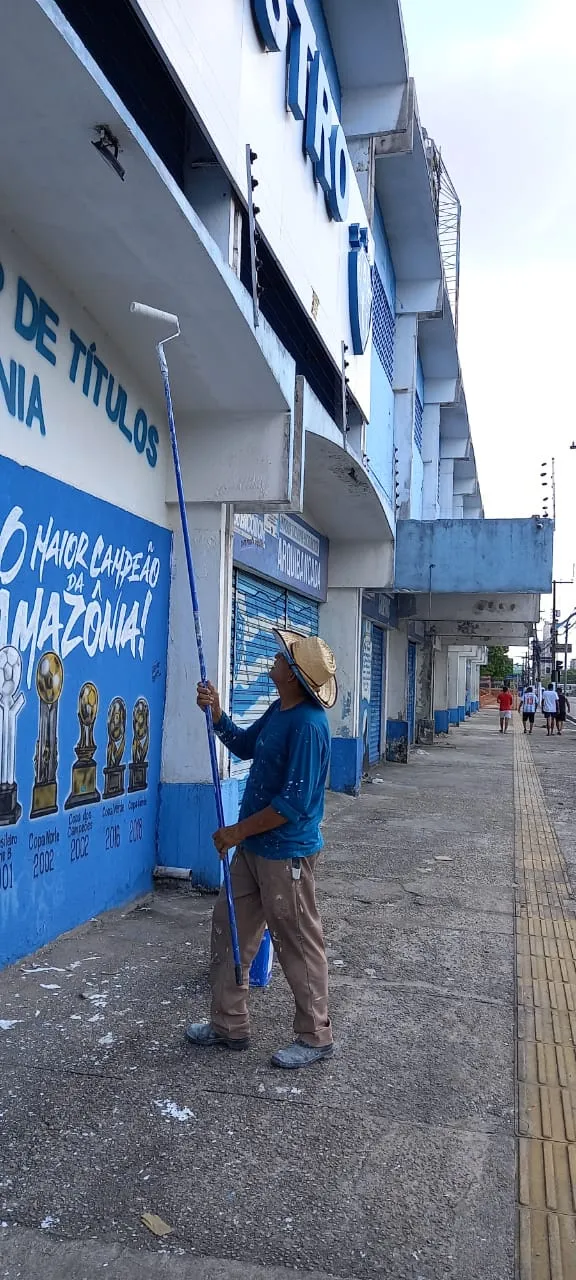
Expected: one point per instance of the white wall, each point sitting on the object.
(405, 366)
(78, 443)
(431, 458)
(446, 488)
(184, 754)
(397, 657)
(462, 680)
(340, 620)
(453, 666)
(441, 680)
(239, 94)
(416, 484)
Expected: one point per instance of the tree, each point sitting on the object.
(499, 665)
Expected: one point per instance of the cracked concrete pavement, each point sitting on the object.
(395, 1158)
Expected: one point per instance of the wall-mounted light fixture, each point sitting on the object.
(108, 147)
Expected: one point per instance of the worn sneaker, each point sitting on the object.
(204, 1035)
(301, 1055)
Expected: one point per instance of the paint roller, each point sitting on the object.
(171, 321)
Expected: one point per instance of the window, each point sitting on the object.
(418, 411)
(383, 325)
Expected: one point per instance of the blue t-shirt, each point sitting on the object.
(291, 753)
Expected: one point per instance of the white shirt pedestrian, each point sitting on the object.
(549, 702)
(550, 709)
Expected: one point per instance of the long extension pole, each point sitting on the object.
(151, 313)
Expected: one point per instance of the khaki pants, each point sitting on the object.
(265, 893)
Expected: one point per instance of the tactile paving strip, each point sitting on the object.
(546, 1051)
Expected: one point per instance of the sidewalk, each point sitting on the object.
(396, 1159)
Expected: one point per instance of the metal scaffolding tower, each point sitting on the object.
(448, 215)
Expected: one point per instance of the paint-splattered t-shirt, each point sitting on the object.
(290, 751)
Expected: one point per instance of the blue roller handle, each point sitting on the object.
(200, 644)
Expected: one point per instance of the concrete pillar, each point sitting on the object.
(462, 661)
(396, 700)
(453, 691)
(458, 506)
(441, 714)
(477, 666)
(431, 460)
(397, 667)
(187, 814)
(404, 384)
(456, 685)
(340, 626)
(425, 692)
(446, 475)
(475, 686)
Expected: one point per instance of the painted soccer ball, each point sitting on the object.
(10, 670)
(117, 719)
(49, 678)
(140, 719)
(88, 703)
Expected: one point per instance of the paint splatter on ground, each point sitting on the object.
(171, 1110)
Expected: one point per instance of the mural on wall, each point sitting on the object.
(36, 323)
(49, 682)
(365, 686)
(84, 590)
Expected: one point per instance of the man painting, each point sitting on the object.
(277, 839)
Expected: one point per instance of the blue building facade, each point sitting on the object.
(327, 460)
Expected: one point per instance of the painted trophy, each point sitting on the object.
(115, 770)
(11, 704)
(84, 789)
(49, 684)
(138, 769)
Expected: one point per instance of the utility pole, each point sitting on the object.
(553, 633)
(558, 582)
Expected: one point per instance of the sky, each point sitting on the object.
(496, 88)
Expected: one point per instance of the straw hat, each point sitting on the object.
(313, 662)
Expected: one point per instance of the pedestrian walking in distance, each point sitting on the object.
(505, 703)
(550, 708)
(277, 839)
(528, 708)
(563, 707)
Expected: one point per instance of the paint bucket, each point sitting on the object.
(261, 968)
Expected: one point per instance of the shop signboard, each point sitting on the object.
(285, 549)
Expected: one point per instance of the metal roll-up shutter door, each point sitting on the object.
(376, 681)
(257, 608)
(411, 691)
(301, 615)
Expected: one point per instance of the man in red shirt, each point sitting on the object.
(505, 702)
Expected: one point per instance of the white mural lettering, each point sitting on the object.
(64, 619)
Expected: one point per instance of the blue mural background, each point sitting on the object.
(89, 584)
